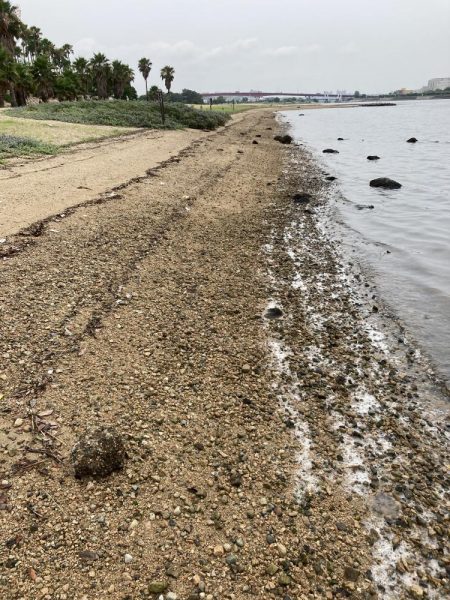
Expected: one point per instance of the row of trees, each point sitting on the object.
(31, 65)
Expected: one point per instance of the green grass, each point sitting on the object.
(123, 114)
(12, 146)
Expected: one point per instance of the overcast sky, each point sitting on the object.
(269, 45)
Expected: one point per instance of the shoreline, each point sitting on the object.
(257, 447)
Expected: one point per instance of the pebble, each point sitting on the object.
(171, 596)
(157, 587)
(18, 422)
(128, 558)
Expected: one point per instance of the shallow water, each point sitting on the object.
(405, 237)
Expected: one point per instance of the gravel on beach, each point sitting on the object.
(275, 430)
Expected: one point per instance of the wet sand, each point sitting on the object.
(290, 457)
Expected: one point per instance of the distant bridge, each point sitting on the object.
(260, 95)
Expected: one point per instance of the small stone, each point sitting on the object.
(351, 574)
(284, 580)
(171, 596)
(18, 422)
(412, 140)
(416, 591)
(157, 587)
(282, 550)
(88, 556)
(99, 452)
(128, 558)
(133, 524)
(246, 368)
(271, 569)
(218, 551)
(274, 312)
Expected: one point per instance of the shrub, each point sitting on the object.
(123, 114)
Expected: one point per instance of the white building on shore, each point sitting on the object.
(438, 83)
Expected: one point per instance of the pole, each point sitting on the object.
(161, 106)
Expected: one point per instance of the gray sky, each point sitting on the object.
(269, 45)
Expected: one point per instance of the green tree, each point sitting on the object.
(10, 26)
(168, 75)
(44, 77)
(153, 93)
(101, 71)
(145, 66)
(24, 83)
(83, 72)
(8, 74)
(122, 75)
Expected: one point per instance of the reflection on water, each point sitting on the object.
(406, 235)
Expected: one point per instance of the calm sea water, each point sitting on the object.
(405, 237)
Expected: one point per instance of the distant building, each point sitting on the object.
(438, 83)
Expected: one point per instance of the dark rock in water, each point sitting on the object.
(98, 453)
(301, 198)
(340, 139)
(373, 157)
(274, 313)
(331, 178)
(283, 139)
(330, 151)
(255, 142)
(412, 140)
(385, 182)
(301, 114)
(363, 206)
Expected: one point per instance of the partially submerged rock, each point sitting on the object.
(330, 151)
(98, 453)
(412, 140)
(373, 157)
(283, 139)
(385, 182)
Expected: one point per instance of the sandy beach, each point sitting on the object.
(283, 438)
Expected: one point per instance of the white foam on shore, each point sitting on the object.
(377, 338)
(363, 402)
(289, 397)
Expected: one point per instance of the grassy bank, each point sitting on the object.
(123, 114)
(12, 146)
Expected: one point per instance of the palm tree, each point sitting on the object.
(122, 75)
(24, 83)
(10, 26)
(101, 71)
(8, 75)
(44, 77)
(168, 75)
(82, 70)
(10, 29)
(33, 40)
(145, 66)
